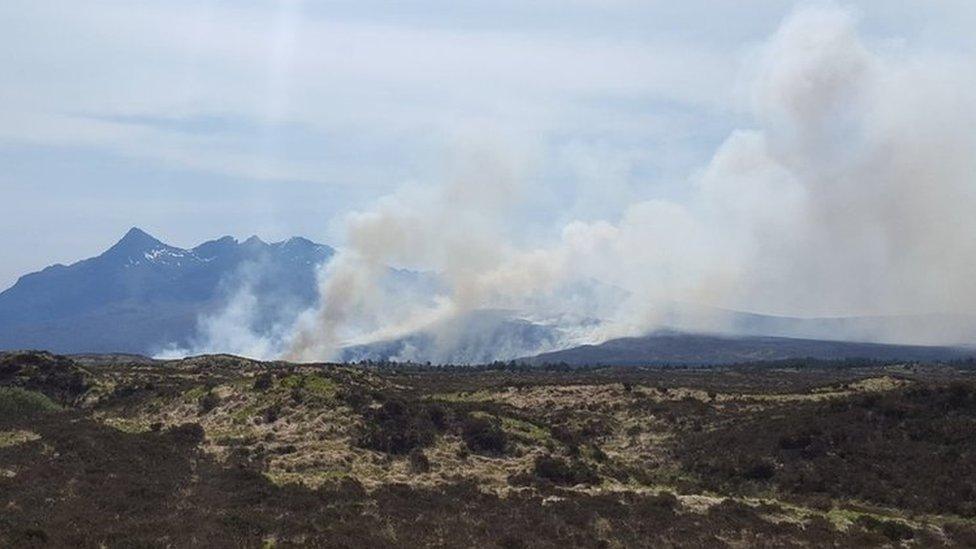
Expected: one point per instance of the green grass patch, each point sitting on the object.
(245, 413)
(522, 429)
(194, 394)
(17, 401)
(313, 384)
(843, 518)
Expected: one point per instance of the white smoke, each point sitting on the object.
(249, 322)
(458, 229)
(852, 195)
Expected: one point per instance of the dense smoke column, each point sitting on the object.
(851, 195)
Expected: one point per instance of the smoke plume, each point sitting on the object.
(852, 194)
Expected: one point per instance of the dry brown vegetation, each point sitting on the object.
(223, 451)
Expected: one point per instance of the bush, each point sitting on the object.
(397, 427)
(483, 435)
(759, 470)
(664, 500)
(15, 401)
(190, 434)
(418, 461)
(891, 448)
(263, 382)
(891, 529)
(271, 413)
(559, 471)
(59, 378)
(208, 402)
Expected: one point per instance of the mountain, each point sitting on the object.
(145, 296)
(142, 294)
(670, 347)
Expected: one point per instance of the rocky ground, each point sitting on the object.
(223, 451)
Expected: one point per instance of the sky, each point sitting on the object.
(196, 119)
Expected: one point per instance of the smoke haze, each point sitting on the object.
(850, 193)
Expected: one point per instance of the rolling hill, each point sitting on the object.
(669, 347)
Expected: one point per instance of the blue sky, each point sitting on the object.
(211, 117)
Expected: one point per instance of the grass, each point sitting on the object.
(17, 401)
(310, 478)
(464, 396)
(313, 384)
(194, 394)
(523, 429)
(127, 425)
(13, 438)
(245, 413)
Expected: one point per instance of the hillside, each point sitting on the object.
(668, 347)
(142, 294)
(229, 452)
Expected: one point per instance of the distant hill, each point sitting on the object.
(142, 294)
(905, 329)
(475, 337)
(670, 347)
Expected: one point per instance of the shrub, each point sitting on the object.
(891, 448)
(15, 401)
(271, 413)
(208, 402)
(263, 382)
(286, 449)
(559, 471)
(397, 427)
(759, 470)
(483, 435)
(664, 500)
(190, 434)
(59, 378)
(891, 529)
(437, 415)
(418, 461)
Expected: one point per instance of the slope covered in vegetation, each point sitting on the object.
(224, 451)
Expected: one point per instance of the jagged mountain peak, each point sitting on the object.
(298, 242)
(142, 294)
(254, 241)
(138, 247)
(216, 247)
(136, 239)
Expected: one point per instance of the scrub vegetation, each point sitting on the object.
(225, 451)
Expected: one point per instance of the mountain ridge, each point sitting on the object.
(668, 347)
(144, 296)
(141, 293)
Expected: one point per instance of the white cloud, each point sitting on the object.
(362, 80)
